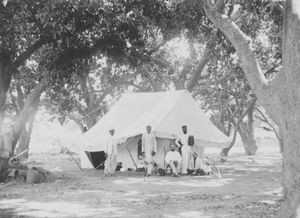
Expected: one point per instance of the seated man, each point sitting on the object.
(173, 160)
(199, 165)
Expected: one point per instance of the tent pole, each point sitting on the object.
(164, 158)
(125, 144)
(131, 157)
(99, 165)
(68, 152)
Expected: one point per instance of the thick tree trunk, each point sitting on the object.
(248, 141)
(291, 170)
(289, 116)
(24, 142)
(5, 78)
(25, 137)
(30, 106)
(246, 131)
(280, 97)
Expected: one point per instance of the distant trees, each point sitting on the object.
(213, 72)
(84, 98)
(55, 35)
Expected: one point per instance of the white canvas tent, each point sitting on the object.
(166, 112)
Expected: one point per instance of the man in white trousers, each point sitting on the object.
(111, 152)
(186, 152)
(149, 149)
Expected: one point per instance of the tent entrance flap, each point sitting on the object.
(96, 158)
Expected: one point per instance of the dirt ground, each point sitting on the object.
(249, 188)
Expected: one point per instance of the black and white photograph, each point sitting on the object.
(149, 108)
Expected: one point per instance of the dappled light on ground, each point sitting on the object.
(186, 181)
(190, 214)
(250, 187)
(57, 209)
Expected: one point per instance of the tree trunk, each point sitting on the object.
(246, 131)
(248, 141)
(289, 116)
(273, 127)
(25, 137)
(30, 106)
(196, 75)
(291, 170)
(5, 78)
(224, 152)
(280, 97)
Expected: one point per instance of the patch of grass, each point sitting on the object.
(258, 209)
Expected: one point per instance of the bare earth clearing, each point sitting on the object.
(248, 189)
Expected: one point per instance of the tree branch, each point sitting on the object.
(29, 51)
(80, 109)
(266, 120)
(156, 87)
(198, 71)
(157, 47)
(82, 52)
(242, 44)
(250, 119)
(140, 88)
(220, 5)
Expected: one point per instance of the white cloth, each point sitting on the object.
(200, 164)
(111, 146)
(173, 156)
(186, 154)
(110, 164)
(149, 145)
(183, 138)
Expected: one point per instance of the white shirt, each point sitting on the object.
(149, 143)
(173, 156)
(183, 138)
(111, 146)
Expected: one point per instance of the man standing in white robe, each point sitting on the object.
(149, 149)
(186, 152)
(111, 152)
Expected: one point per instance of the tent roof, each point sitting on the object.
(166, 112)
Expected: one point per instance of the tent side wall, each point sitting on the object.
(163, 146)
